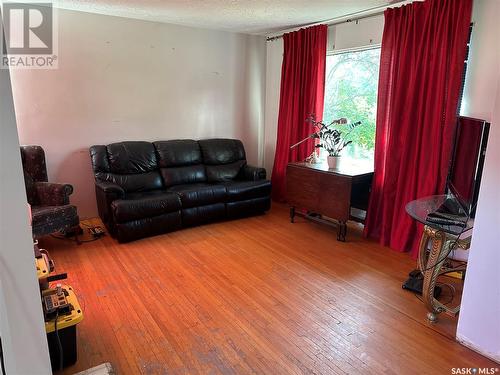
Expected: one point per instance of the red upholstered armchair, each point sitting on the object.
(50, 208)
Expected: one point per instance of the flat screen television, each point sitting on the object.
(467, 162)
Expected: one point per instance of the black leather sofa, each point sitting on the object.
(144, 189)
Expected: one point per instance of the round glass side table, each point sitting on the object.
(436, 244)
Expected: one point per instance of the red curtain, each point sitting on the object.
(302, 94)
(421, 65)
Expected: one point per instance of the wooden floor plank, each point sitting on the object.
(253, 296)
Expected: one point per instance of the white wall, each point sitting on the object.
(274, 58)
(21, 320)
(123, 79)
(356, 34)
(350, 35)
(479, 322)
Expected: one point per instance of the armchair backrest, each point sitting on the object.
(35, 170)
(33, 158)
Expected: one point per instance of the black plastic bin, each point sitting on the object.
(69, 348)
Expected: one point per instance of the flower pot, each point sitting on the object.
(333, 161)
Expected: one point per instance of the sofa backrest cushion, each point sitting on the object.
(131, 165)
(178, 153)
(180, 162)
(99, 158)
(132, 157)
(223, 158)
(221, 151)
(191, 174)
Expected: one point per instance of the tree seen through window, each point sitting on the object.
(351, 92)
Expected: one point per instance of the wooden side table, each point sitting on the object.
(328, 193)
(436, 244)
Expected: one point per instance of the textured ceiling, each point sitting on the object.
(247, 16)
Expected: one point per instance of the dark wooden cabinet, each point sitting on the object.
(328, 193)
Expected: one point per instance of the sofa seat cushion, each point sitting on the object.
(146, 204)
(243, 190)
(45, 215)
(194, 195)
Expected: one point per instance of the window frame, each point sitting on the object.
(353, 49)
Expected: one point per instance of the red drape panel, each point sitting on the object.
(302, 94)
(421, 65)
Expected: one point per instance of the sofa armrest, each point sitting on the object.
(106, 192)
(53, 194)
(250, 173)
(110, 188)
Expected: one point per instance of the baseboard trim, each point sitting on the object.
(466, 342)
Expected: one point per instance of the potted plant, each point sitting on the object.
(332, 139)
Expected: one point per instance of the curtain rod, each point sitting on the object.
(377, 11)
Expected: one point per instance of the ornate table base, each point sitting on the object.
(430, 263)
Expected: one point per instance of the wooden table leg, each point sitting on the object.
(318, 218)
(341, 231)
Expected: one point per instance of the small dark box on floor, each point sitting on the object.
(69, 348)
(415, 283)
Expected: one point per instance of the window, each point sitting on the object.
(351, 92)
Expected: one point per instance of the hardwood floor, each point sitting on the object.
(257, 295)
